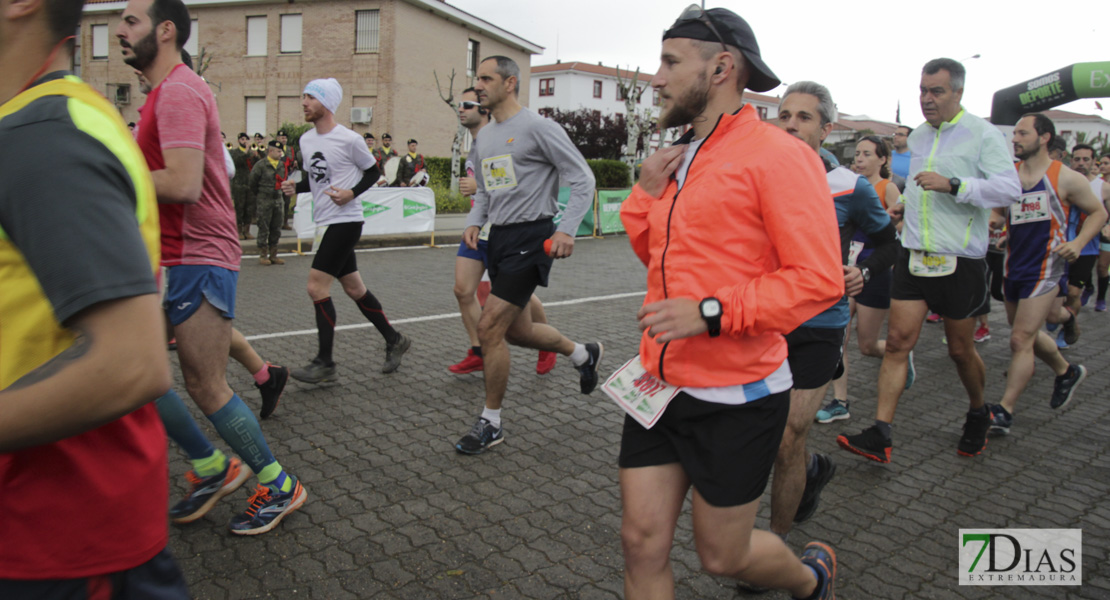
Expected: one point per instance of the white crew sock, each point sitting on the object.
(493, 416)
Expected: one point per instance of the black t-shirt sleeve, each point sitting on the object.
(68, 205)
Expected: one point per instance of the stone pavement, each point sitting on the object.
(394, 512)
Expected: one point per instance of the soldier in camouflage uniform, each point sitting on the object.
(239, 155)
(266, 188)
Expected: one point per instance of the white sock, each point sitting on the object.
(493, 416)
(579, 356)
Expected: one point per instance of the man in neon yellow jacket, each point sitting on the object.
(960, 168)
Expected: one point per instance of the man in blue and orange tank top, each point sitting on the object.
(1037, 253)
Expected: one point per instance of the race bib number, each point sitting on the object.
(925, 264)
(854, 248)
(498, 173)
(1032, 208)
(642, 395)
(484, 233)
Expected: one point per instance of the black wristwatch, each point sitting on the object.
(710, 309)
(866, 273)
(955, 183)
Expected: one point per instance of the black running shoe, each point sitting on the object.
(587, 371)
(1071, 330)
(974, 439)
(314, 372)
(1065, 385)
(271, 390)
(480, 437)
(869, 443)
(811, 497)
(394, 352)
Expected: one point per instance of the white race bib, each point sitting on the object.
(498, 172)
(854, 248)
(642, 395)
(483, 234)
(926, 264)
(1033, 207)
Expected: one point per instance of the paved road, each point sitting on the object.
(394, 512)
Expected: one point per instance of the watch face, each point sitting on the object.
(711, 308)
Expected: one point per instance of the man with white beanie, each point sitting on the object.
(340, 168)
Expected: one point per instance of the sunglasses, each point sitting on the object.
(467, 104)
(697, 13)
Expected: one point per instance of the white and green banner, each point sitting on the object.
(385, 211)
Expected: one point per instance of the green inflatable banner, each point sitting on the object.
(1081, 80)
(609, 210)
(586, 227)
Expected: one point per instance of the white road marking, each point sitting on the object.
(455, 315)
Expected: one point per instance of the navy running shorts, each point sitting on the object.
(189, 285)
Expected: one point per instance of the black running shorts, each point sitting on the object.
(336, 254)
(876, 292)
(814, 353)
(727, 451)
(961, 295)
(158, 577)
(517, 263)
(1079, 272)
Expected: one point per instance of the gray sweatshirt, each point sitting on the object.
(519, 163)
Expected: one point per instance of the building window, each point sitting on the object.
(290, 34)
(191, 46)
(77, 52)
(762, 112)
(256, 36)
(597, 89)
(654, 97)
(621, 95)
(366, 30)
(99, 41)
(472, 58)
(256, 115)
(547, 87)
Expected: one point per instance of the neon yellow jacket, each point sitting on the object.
(972, 149)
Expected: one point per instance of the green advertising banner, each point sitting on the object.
(1081, 80)
(587, 225)
(609, 210)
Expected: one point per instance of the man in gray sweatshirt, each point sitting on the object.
(521, 157)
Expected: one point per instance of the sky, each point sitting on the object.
(868, 53)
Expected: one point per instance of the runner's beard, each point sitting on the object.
(687, 107)
(143, 52)
(1027, 153)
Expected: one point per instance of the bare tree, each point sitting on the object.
(631, 91)
(460, 133)
(204, 59)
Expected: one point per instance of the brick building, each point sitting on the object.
(383, 52)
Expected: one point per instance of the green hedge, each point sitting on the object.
(610, 173)
(439, 169)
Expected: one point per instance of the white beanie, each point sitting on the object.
(327, 91)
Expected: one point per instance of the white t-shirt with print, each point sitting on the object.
(335, 159)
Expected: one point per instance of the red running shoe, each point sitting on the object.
(545, 363)
(470, 364)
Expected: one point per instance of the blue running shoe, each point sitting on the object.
(1001, 419)
(267, 509)
(1052, 327)
(833, 411)
(1060, 342)
(911, 372)
(206, 491)
(821, 559)
(480, 438)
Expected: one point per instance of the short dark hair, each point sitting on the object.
(908, 129)
(1084, 147)
(175, 12)
(506, 68)
(63, 17)
(186, 59)
(1043, 125)
(956, 71)
(1058, 143)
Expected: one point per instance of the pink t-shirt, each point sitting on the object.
(181, 113)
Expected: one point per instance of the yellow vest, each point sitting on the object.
(30, 334)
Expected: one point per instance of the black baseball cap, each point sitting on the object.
(734, 31)
(276, 144)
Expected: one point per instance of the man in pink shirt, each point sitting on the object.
(179, 135)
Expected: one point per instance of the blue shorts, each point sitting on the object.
(189, 285)
(479, 254)
(1020, 289)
